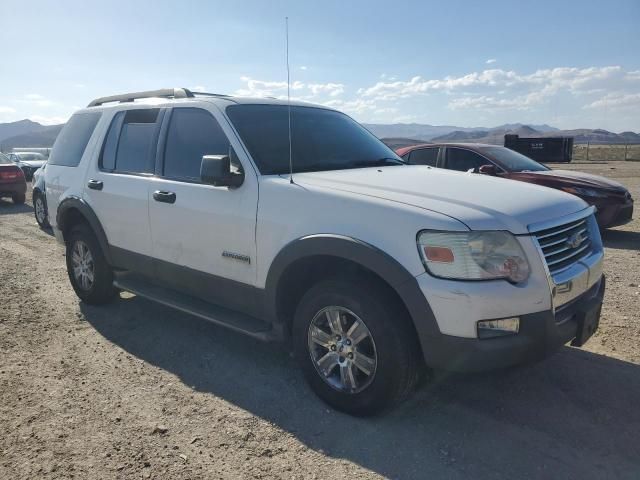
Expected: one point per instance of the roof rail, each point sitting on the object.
(130, 97)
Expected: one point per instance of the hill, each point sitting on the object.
(44, 137)
(8, 130)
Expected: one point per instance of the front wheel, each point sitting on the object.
(90, 274)
(355, 346)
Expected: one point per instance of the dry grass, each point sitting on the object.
(606, 152)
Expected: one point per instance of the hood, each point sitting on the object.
(479, 201)
(571, 178)
(33, 163)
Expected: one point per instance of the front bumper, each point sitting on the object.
(616, 214)
(540, 335)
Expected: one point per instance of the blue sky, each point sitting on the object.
(569, 64)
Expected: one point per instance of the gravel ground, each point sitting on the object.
(137, 390)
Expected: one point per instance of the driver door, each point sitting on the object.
(203, 236)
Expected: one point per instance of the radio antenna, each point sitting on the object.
(286, 27)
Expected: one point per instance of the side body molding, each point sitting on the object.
(76, 203)
(367, 256)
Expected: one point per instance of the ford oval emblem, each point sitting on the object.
(574, 240)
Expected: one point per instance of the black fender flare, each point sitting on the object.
(76, 203)
(364, 254)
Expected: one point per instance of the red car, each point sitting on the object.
(612, 199)
(12, 181)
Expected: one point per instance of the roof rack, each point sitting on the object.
(162, 93)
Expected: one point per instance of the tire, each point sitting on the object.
(40, 210)
(392, 345)
(94, 284)
(19, 198)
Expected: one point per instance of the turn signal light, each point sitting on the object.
(438, 254)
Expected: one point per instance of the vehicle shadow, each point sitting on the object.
(621, 239)
(7, 207)
(574, 415)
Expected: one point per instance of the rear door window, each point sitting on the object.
(464, 160)
(130, 144)
(424, 156)
(73, 139)
(192, 134)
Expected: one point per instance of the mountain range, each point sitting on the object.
(399, 134)
(27, 133)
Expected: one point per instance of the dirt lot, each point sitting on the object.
(136, 390)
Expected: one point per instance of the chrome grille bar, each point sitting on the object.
(564, 245)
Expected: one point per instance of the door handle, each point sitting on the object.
(95, 184)
(162, 196)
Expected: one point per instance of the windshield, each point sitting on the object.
(513, 161)
(320, 139)
(4, 160)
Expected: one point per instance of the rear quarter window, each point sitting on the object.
(73, 139)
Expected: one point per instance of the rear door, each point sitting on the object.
(203, 236)
(116, 186)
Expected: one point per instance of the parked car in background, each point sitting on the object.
(613, 201)
(12, 182)
(39, 198)
(29, 162)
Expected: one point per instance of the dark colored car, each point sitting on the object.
(612, 199)
(12, 182)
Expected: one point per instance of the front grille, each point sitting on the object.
(564, 245)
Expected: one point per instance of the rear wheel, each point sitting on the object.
(18, 198)
(355, 346)
(90, 274)
(40, 210)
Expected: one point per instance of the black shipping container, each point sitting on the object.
(549, 149)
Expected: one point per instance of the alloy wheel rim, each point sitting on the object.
(83, 265)
(39, 210)
(342, 349)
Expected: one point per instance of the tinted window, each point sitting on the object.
(424, 156)
(464, 160)
(72, 140)
(320, 139)
(130, 144)
(192, 134)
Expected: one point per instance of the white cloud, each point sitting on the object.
(490, 93)
(490, 61)
(303, 91)
(303, 67)
(617, 101)
(332, 89)
(4, 109)
(44, 120)
(35, 99)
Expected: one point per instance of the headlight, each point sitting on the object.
(473, 255)
(585, 192)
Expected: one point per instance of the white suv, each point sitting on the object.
(368, 267)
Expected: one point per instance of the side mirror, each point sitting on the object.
(216, 170)
(488, 170)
